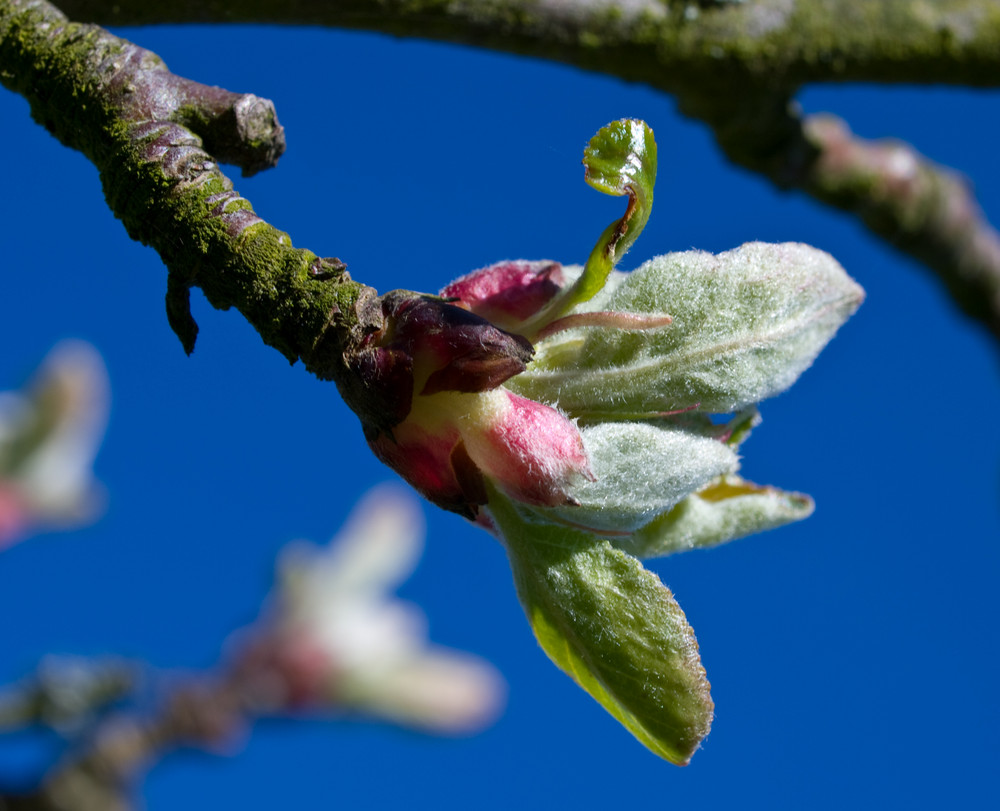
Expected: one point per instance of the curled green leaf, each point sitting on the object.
(620, 159)
(613, 627)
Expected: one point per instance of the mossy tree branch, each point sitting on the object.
(155, 139)
(736, 66)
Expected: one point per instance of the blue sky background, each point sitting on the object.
(853, 657)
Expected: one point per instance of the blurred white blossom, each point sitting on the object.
(334, 637)
(49, 436)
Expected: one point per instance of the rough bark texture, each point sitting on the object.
(736, 66)
(672, 44)
(155, 138)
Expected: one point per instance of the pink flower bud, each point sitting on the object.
(428, 391)
(532, 451)
(426, 346)
(426, 458)
(452, 350)
(451, 443)
(13, 517)
(508, 293)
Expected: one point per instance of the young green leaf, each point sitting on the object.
(613, 627)
(727, 509)
(746, 324)
(641, 470)
(620, 159)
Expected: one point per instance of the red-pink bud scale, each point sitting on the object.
(508, 293)
(432, 403)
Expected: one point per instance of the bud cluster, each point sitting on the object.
(589, 417)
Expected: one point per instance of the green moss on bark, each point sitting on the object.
(119, 105)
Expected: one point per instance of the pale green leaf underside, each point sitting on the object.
(727, 509)
(746, 323)
(641, 470)
(613, 627)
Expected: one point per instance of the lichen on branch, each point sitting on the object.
(156, 139)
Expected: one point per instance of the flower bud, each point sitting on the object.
(508, 293)
(451, 441)
(424, 346)
(49, 435)
(531, 450)
(432, 405)
(335, 638)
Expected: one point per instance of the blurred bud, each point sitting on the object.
(333, 637)
(49, 436)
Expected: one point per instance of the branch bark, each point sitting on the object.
(155, 139)
(735, 66)
(672, 44)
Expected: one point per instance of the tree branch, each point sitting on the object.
(147, 131)
(671, 44)
(735, 66)
(106, 765)
(924, 210)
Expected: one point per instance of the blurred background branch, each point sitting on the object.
(737, 67)
(331, 641)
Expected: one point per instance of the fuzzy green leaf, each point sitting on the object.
(613, 627)
(746, 324)
(727, 509)
(642, 470)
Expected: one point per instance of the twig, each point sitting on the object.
(104, 771)
(143, 128)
